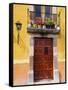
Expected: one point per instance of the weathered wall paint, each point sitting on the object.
(61, 36)
(21, 52)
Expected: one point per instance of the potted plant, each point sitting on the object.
(50, 24)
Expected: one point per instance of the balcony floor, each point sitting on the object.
(42, 31)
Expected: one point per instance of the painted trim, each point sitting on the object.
(21, 61)
(54, 11)
(31, 8)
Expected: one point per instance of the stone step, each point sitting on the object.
(45, 81)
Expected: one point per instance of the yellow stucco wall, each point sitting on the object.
(61, 37)
(22, 51)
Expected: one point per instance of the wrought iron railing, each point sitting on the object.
(43, 23)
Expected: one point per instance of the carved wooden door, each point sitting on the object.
(43, 58)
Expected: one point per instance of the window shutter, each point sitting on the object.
(47, 11)
(37, 11)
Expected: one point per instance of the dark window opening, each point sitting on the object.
(46, 50)
(38, 11)
(47, 11)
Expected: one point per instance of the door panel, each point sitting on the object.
(43, 58)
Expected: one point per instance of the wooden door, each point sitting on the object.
(43, 58)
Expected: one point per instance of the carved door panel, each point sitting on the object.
(43, 58)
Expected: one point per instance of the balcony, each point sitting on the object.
(43, 24)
